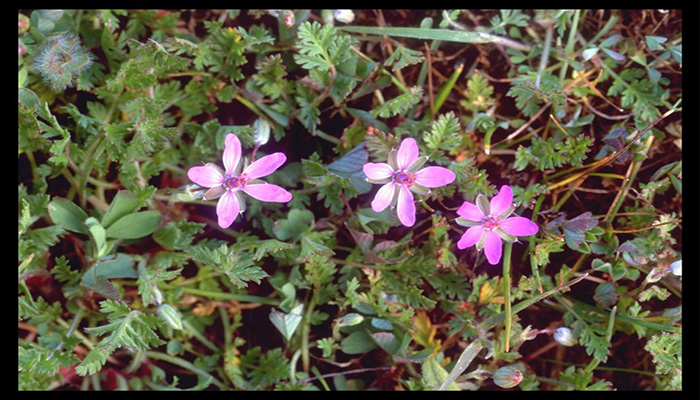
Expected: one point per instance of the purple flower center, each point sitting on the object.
(491, 223)
(404, 178)
(236, 182)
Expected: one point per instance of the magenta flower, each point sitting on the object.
(228, 183)
(489, 222)
(403, 175)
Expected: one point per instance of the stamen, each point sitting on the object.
(404, 178)
(491, 223)
(236, 182)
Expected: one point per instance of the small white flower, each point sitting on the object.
(564, 337)
(344, 16)
(676, 267)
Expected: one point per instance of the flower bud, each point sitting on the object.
(351, 319)
(655, 275)
(529, 334)
(170, 316)
(677, 267)
(564, 337)
(507, 377)
(262, 131)
(289, 19)
(344, 16)
(23, 24)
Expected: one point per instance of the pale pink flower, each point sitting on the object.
(489, 222)
(230, 182)
(403, 175)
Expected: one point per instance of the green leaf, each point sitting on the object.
(67, 215)
(654, 42)
(287, 324)
(135, 225)
(399, 105)
(350, 166)
(237, 265)
(387, 341)
(447, 35)
(123, 203)
(358, 342)
(126, 328)
(294, 226)
(98, 277)
(434, 375)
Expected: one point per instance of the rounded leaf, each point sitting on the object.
(135, 225)
(124, 203)
(67, 215)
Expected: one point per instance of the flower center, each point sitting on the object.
(491, 223)
(404, 178)
(235, 182)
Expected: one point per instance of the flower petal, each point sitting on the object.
(492, 247)
(268, 192)
(378, 171)
(470, 211)
(519, 226)
(208, 176)
(434, 177)
(407, 154)
(227, 209)
(501, 201)
(405, 208)
(383, 198)
(470, 237)
(265, 165)
(232, 153)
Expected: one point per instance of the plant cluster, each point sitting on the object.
(349, 199)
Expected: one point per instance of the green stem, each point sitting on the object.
(327, 137)
(184, 364)
(206, 342)
(545, 55)
(632, 174)
(226, 325)
(506, 292)
(244, 298)
(531, 245)
(306, 330)
(569, 45)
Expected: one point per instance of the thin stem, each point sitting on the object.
(306, 330)
(184, 364)
(545, 55)
(243, 298)
(531, 246)
(69, 332)
(569, 45)
(631, 175)
(506, 292)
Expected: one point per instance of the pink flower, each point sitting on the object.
(488, 223)
(403, 175)
(228, 183)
